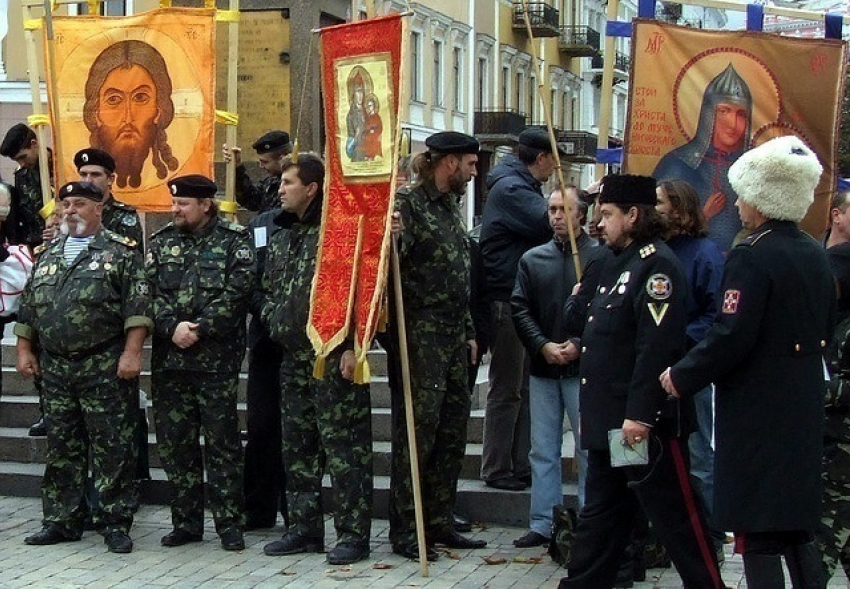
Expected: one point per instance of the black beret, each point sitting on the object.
(192, 186)
(628, 189)
(14, 140)
(83, 189)
(453, 142)
(271, 141)
(538, 138)
(94, 157)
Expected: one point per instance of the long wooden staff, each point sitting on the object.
(408, 412)
(547, 116)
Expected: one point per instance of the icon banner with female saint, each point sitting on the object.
(360, 67)
(698, 99)
(141, 88)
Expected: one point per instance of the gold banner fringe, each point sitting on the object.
(319, 368)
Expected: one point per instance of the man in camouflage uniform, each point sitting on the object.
(441, 340)
(326, 422)
(201, 270)
(88, 307)
(833, 534)
(98, 167)
(20, 144)
(25, 224)
(271, 150)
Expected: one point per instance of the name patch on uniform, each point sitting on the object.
(731, 298)
(658, 311)
(659, 287)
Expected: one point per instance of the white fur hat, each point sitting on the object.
(778, 178)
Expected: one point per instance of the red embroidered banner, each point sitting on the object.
(361, 64)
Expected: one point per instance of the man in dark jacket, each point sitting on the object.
(635, 325)
(515, 220)
(271, 150)
(764, 354)
(545, 278)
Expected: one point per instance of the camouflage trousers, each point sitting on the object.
(327, 426)
(833, 533)
(438, 371)
(90, 413)
(188, 405)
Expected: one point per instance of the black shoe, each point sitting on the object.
(411, 551)
(531, 539)
(118, 542)
(232, 540)
(507, 484)
(38, 429)
(461, 524)
(348, 553)
(51, 534)
(178, 537)
(452, 539)
(293, 544)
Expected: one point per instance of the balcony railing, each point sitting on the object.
(579, 41)
(542, 18)
(621, 62)
(498, 126)
(580, 146)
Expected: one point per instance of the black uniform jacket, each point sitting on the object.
(764, 354)
(635, 328)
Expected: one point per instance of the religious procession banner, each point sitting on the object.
(141, 88)
(699, 99)
(361, 64)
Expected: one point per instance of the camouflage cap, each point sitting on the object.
(94, 157)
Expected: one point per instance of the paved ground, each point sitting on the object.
(87, 563)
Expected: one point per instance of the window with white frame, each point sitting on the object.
(506, 81)
(437, 98)
(416, 66)
(457, 78)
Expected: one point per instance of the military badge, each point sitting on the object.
(53, 269)
(245, 254)
(149, 259)
(129, 221)
(107, 266)
(93, 266)
(730, 301)
(175, 250)
(658, 311)
(659, 287)
(142, 288)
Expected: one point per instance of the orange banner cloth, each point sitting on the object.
(360, 68)
(698, 99)
(141, 88)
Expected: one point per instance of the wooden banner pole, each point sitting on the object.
(553, 142)
(610, 55)
(230, 131)
(35, 89)
(52, 101)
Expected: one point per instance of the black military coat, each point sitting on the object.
(764, 354)
(635, 328)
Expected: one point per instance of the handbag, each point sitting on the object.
(14, 272)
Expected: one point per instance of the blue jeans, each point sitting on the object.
(549, 399)
(702, 455)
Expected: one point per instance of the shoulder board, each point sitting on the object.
(164, 229)
(129, 242)
(231, 226)
(407, 188)
(754, 238)
(647, 251)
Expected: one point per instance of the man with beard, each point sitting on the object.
(201, 270)
(271, 149)
(434, 264)
(128, 108)
(88, 306)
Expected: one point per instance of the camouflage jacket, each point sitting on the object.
(288, 278)
(434, 258)
(123, 220)
(26, 204)
(205, 278)
(84, 308)
(262, 196)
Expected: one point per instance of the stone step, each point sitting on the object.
(17, 446)
(21, 411)
(475, 500)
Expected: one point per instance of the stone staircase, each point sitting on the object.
(22, 457)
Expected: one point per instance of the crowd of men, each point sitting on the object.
(638, 338)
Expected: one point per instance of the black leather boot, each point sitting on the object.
(763, 571)
(804, 566)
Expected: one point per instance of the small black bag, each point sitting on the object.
(563, 532)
